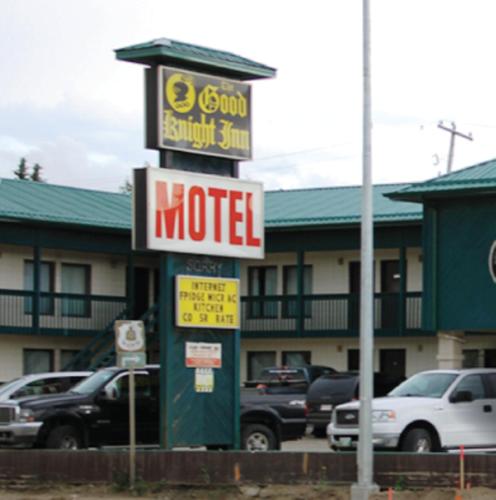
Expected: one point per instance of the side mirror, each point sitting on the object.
(461, 397)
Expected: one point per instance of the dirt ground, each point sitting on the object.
(272, 492)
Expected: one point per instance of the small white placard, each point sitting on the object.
(204, 380)
(203, 355)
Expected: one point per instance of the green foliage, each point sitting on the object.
(23, 174)
(126, 187)
(36, 174)
(22, 170)
(400, 484)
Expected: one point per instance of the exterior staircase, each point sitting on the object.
(100, 351)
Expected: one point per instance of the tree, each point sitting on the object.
(36, 174)
(22, 170)
(126, 187)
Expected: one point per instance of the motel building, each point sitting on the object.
(68, 271)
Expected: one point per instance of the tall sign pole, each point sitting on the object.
(197, 218)
(365, 486)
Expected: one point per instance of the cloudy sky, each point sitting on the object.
(68, 104)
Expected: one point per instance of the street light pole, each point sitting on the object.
(365, 486)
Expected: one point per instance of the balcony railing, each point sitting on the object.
(56, 313)
(329, 314)
(322, 315)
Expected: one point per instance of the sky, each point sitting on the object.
(69, 105)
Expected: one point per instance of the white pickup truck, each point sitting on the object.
(431, 411)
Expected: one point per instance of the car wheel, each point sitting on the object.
(65, 437)
(418, 440)
(258, 437)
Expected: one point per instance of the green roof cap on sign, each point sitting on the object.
(478, 179)
(37, 202)
(193, 57)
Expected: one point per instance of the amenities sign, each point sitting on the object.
(203, 302)
(179, 211)
(203, 355)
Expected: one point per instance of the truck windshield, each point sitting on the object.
(94, 382)
(425, 385)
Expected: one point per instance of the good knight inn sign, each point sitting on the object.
(198, 113)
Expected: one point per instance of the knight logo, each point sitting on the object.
(180, 92)
(130, 336)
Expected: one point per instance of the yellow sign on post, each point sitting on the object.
(203, 302)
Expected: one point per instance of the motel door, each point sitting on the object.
(354, 287)
(141, 291)
(392, 362)
(390, 289)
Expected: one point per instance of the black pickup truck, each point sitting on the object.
(95, 413)
(273, 405)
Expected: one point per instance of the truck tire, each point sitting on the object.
(64, 437)
(418, 440)
(258, 437)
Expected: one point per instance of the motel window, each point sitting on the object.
(290, 287)
(37, 361)
(67, 355)
(262, 282)
(47, 280)
(489, 358)
(296, 358)
(75, 279)
(258, 360)
(471, 358)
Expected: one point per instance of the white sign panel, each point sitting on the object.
(129, 336)
(199, 214)
(204, 380)
(203, 355)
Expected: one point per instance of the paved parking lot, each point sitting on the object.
(308, 443)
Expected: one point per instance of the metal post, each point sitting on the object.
(132, 429)
(365, 486)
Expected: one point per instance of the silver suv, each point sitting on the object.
(431, 411)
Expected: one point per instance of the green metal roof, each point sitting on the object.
(477, 179)
(195, 58)
(333, 206)
(49, 203)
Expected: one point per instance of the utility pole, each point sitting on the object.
(453, 133)
(364, 487)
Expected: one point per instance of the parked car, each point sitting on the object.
(269, 417)
(287, 379)
(431, 411)
(95, 413)
(334, 389)
(37, 384)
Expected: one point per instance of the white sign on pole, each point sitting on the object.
(180, 211)
(203, 355)
(204, 380)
